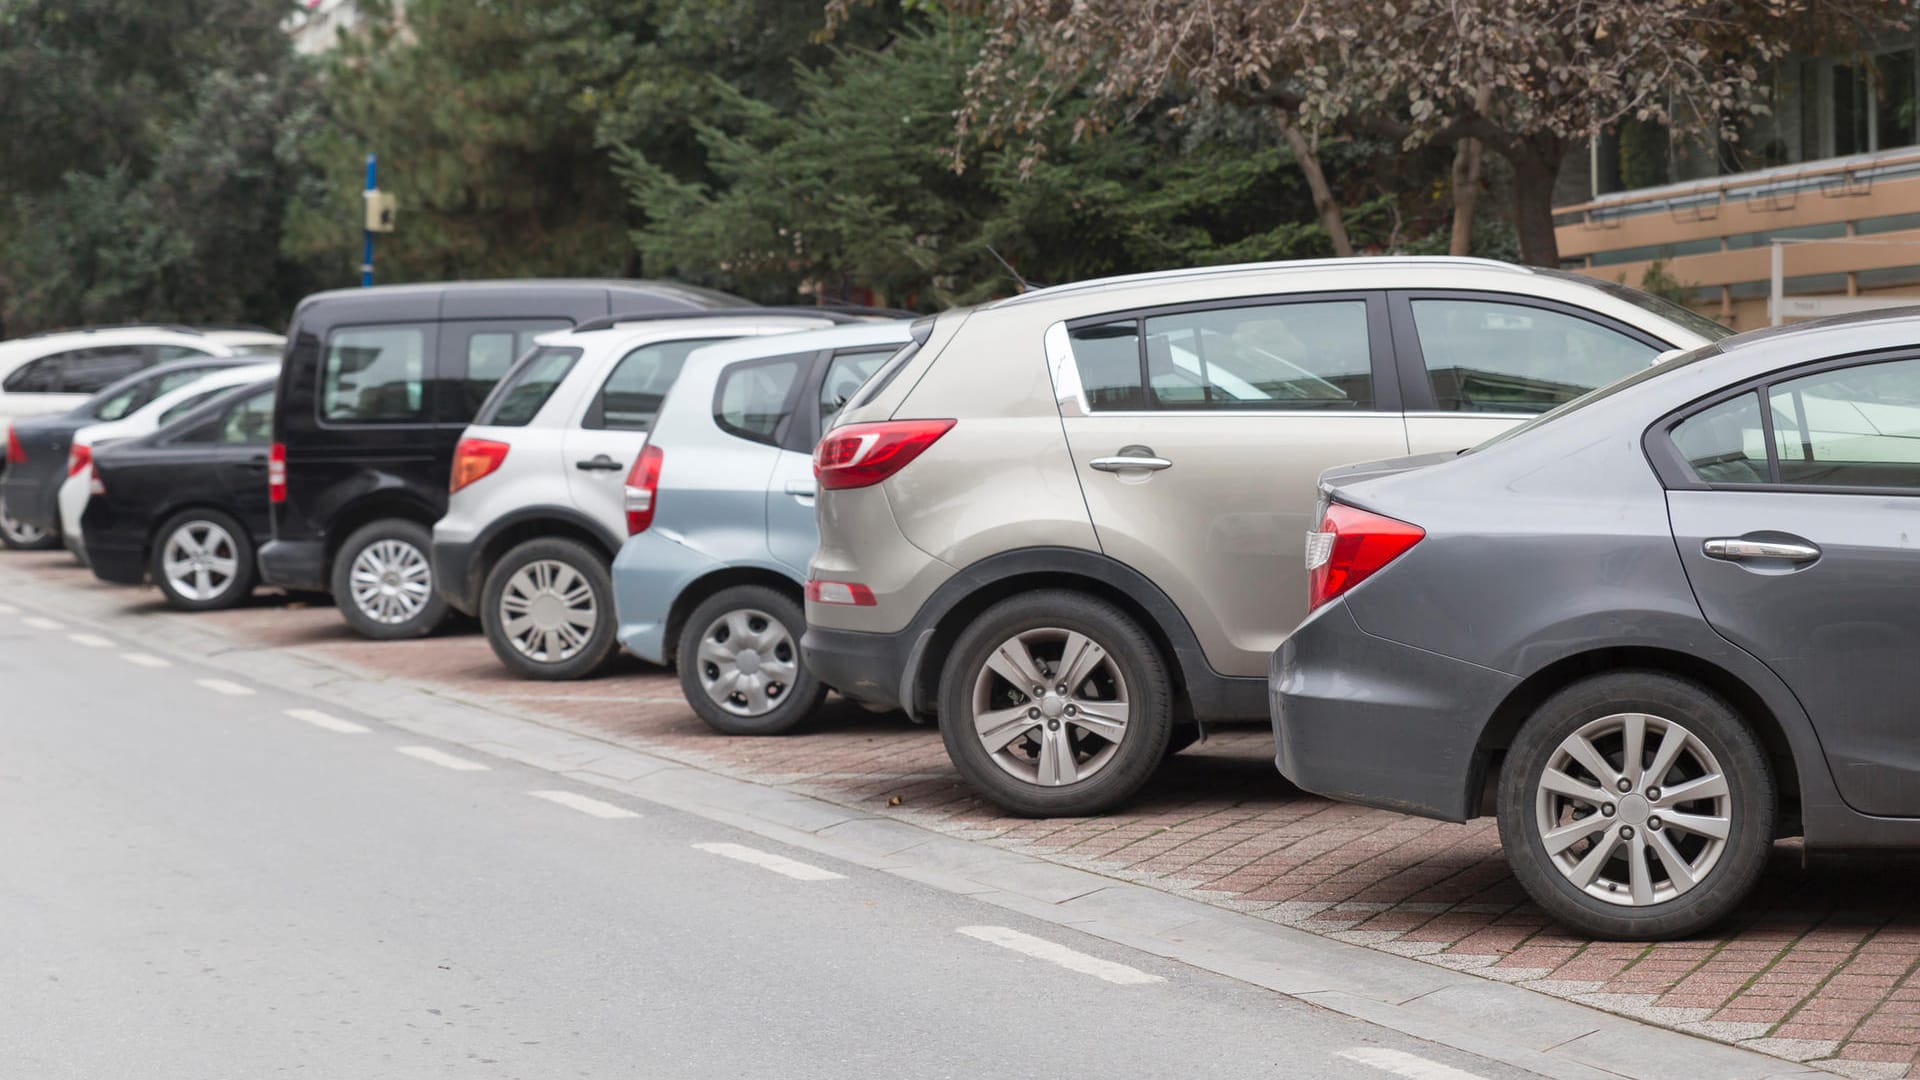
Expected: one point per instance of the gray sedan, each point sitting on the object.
(1653, 630)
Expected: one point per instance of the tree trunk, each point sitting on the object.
(1309, 159)
(1535, 163)
(1466, 183)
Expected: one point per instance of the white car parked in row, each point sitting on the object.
(49, 373)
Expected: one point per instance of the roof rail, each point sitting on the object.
(1384, 261)
(835, 314)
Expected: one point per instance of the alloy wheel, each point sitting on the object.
(17, 531)
(747, 662)
(391, 581)
(547, 611)
(201, 560)
(1050, 706)
(1633, 809)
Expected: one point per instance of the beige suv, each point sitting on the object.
(1071, 525)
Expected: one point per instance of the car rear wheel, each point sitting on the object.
(203, 560)
(1055, 704)
(548, 610)
(740, 665)
(1636, 805)
(20, 536)
(383, 582)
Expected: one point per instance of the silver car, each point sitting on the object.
(1069, 524)
(723, 520)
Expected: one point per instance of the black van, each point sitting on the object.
(375, 389)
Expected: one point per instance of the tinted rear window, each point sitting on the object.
(525, 390)
(374, 374)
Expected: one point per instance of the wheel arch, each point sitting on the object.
(160, 519)
(698, 590)
(378, 506)
(528, 523)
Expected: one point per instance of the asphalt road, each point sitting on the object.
(196, 883)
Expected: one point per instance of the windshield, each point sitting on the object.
(1602, 393)
(1679, 314)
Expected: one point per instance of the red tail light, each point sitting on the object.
(16, 454)
(1349, 547)
(474, 459)
(861, 455)
(845, 593)
(277, 473)
(643, 489)
(79, 456)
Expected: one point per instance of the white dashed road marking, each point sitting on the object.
(1072, 960)
(441, 758)
(331, 723)
(145, 659)
(1400, 1063)
(91, 641)
(222, 686)
(41, 623)
(767, 860)
(583, 804)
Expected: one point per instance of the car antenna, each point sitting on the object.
(1025, 285)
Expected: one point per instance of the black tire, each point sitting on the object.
(19, 536)
(795, 700)
(236, 545)
(525, 658)
(1749, 803)
(1132, 759)
(412, 622)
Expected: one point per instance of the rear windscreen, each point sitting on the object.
(526, 388)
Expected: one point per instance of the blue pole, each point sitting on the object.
(366, 256)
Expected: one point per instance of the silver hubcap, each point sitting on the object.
(391, 581)
(19, 531)
(200, 560)
(747, 662)
(1050, 706)
(547, 611)
(1633, 809)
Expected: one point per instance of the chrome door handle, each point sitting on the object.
(1128, 461)
(598, 463)
(1736, 550)
(800, 489)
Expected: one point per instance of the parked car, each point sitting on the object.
(1069, 521)
(52, 373)
(377, 386)
(538, 502)
(1694, 601)
(76, 489)
(37, 448)
(186, 506)
(721, 506)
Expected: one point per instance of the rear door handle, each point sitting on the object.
(600, 463)
(1132, 457)
(1734, 549)
(801, 489)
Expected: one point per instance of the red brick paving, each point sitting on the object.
(1820, 965)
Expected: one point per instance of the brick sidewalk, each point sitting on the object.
(1820, 967)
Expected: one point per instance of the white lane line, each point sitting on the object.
(1072, 960)
(767, 860)
(91, 641)
(441, 758)
(222, 686)
(145, 659)
(583, 804)
(331, 723)
(1400, 1063)
(40, 623)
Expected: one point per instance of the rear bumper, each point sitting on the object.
(649, 574)
(32, 499)
(1367, 720)
(117, 563)
(294, 564)
(867, 667)
(454, 576)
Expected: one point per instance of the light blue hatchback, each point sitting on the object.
(720, 512)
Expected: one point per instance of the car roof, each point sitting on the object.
(44, 344)
(1261, 269)
(691, 296)
(891, 332)
(626, 335)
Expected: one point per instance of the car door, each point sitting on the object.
(1232, 411)
(244, 433)
(611, 426)
(792, 531)
(1794, 506)
(1473, 364)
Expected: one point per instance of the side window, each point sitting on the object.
(123, 402)
(89, 371)
(755, 399)
(189, 403)
(374, 375)
(40, 376)
(174, 380)
(250, 422)
(1488, 356)
(1309, 355)
(846, 373)
(1108, 359)
(1725, 444)
(169, 353)
(515, 402)
(1852, 427)
(631, 396)
(489, 353)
